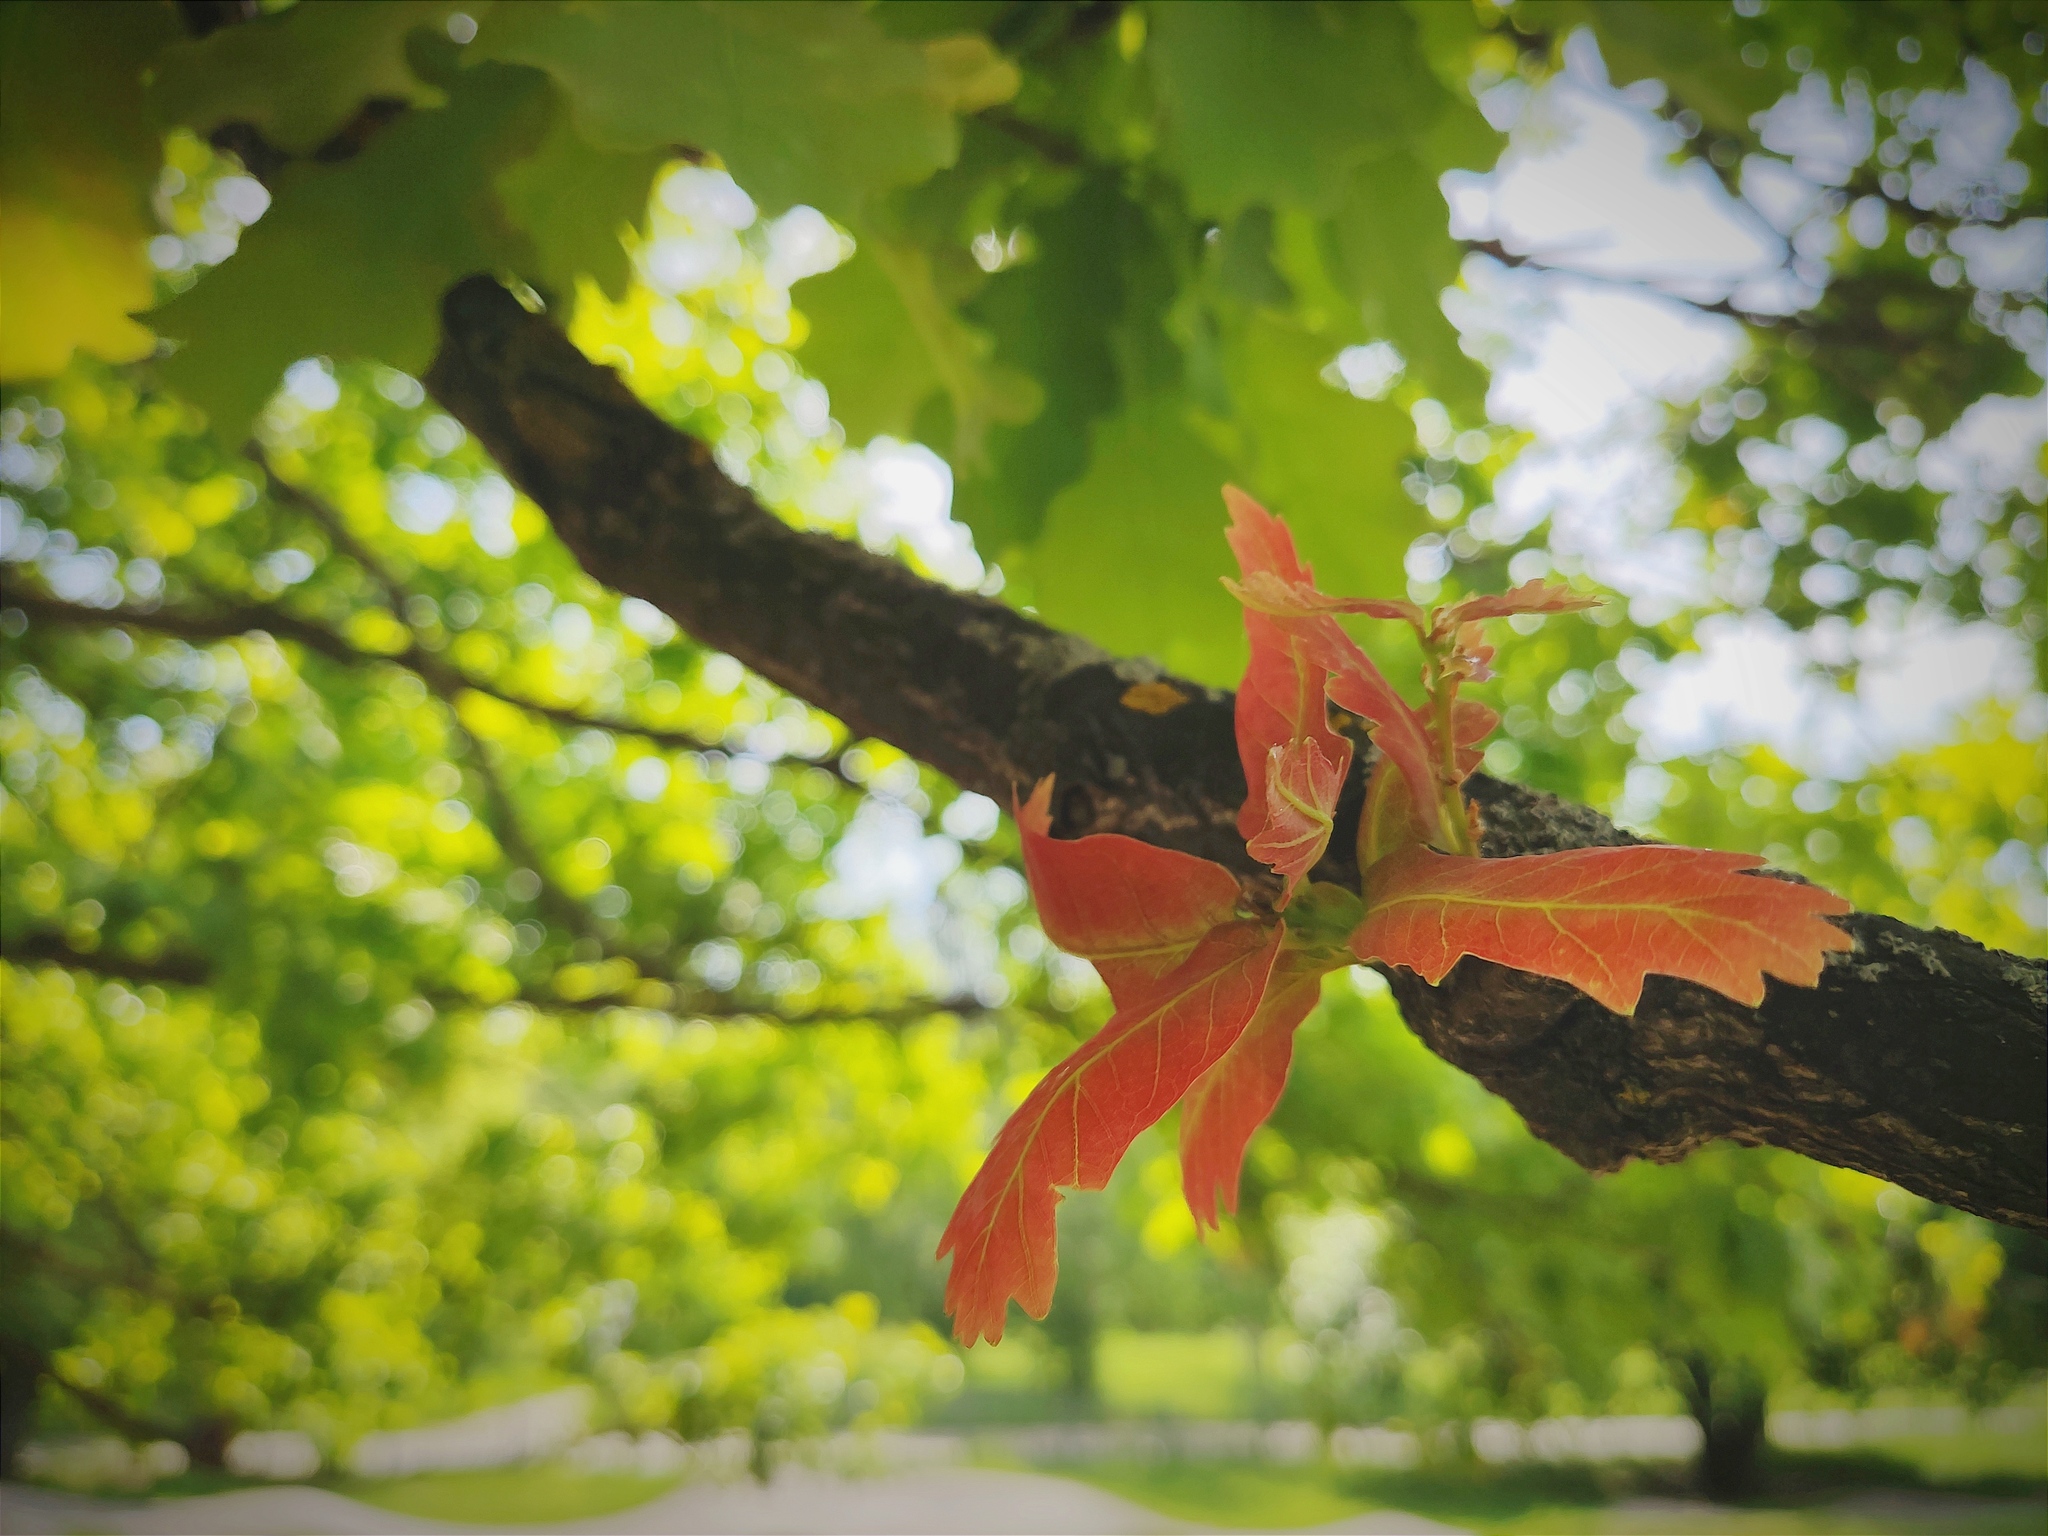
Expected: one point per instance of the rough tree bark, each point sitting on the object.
(1921, 1057)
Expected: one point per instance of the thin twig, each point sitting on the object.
(167, 970)
(190, 969)
(502, 817)
(231, 620)
(331, 522)
(422, 661)
(1510, 258)
(897, 1015)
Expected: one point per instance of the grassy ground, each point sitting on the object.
(1887, 1494)
(1141, 1375)
(508, 1495)
(1188, 1375)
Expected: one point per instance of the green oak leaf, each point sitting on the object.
(573, 202)
(1695, 49)
(864, 350)
(1329, 463)
(352, 258)
(77, 158)
(1280, 103)
(884, 340)
(1394, 256)
(1132, 552)
(938, 18)
(1092, 289)
(804, 102)
(299, 75)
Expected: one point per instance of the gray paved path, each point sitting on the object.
(968, 1500)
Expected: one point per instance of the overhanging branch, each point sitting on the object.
(1920, 1058)
(233, 620)
(190, 969)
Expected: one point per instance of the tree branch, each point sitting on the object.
(232, 620)
(439, 674)
(1920, 1058)
(899, 1015)
(41, 947)
(190, 969)
(1534, 263)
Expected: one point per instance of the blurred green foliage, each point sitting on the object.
(431, 979)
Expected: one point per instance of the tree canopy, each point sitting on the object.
(481, 591)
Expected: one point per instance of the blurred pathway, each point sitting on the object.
(968, 1500)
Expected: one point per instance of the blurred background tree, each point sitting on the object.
(431, 978)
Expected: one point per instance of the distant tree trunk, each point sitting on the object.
(207, 1443)
(1075, 1327)
(21, 1377)
(1255, 1388)
(1728, 1404)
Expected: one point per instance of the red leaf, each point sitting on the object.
(1279, 702)
(1398, 731)
(1135, 910)
(1281, 699)
(1074, 1127)
(1601, 919)
(1302, 784)
(1390, 821)
(1537, 596)
(1234, 1097)
(1281, 601)
(1471, 723)
(1282, 597)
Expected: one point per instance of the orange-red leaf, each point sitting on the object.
(1601, 919)
(1234, 1097)
(1538, 596)
(1135, 910)
(1398, 731)
(1293, 640)
(1075, 1125)
(1302, 784)
(1471, 723)
(1284, 597)
(1281, 700)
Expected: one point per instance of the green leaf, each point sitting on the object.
(1695, 49)
(804, 102)
(77, 158)
(574, 203)
(1329, 463)
(864, 350)
(1337, 111)
(1133, 552)
(885, 340)
(1280, 103)
(1068, 317)
(352, 259)
(299, 75)
(939, 18)
(1395, 256)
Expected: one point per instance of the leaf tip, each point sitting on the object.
(1035, 814)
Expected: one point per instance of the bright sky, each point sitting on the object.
(1586, 363)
